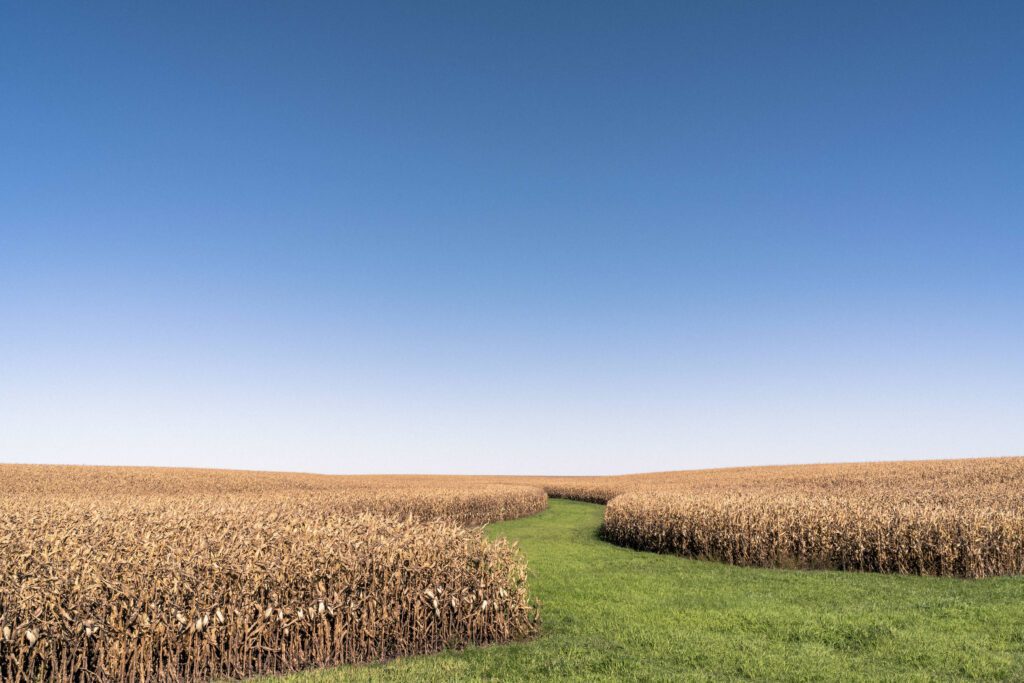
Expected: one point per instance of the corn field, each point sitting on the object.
(110, 574)
(941, 517)
(146, 574)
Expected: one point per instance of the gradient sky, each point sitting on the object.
(510, 237)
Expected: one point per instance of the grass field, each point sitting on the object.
(611, 613)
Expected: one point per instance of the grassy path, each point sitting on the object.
(615, 614)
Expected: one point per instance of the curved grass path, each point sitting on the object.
(610, 613)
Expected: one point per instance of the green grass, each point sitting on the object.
(615, 614)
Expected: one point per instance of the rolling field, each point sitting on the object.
(615, 614)
(942, 517)
(126, 574)
(149, 574)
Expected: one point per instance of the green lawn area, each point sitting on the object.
(615, 614)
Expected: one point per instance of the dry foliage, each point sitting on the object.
(800, 529)
(941, 517)
(111, 574)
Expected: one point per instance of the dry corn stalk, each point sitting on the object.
(122, 575)
(942, 517)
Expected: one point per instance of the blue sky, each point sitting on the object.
(510, 237)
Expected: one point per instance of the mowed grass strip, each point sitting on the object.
(611, 613)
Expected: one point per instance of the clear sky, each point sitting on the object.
(510, 237)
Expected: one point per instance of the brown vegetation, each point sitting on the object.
(941, 517)
(150, 574)
(131, 574)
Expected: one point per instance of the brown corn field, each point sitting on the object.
(939, 517)
(113, 574)
(132, 574)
